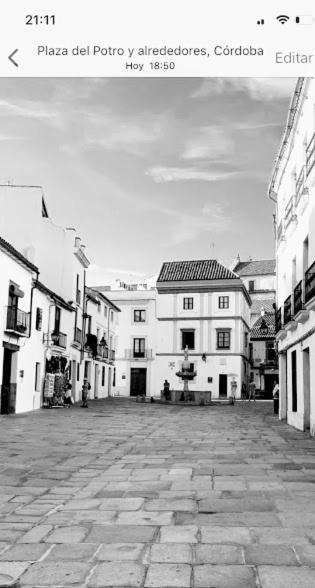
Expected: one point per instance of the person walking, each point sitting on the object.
(244, 391)
(233, 390)
(252, 391)
(86, 386)
(275, 394)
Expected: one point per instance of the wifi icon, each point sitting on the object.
(283, 18)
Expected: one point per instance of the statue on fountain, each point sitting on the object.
(186, 374)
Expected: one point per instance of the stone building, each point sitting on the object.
(205, 306)
(259, 277)
(292, 189)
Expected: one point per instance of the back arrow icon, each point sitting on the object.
(11, 58)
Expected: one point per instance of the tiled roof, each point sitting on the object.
(256, 333)
(205, 269)
(256, 268)
(265, 303)
(58, 299)
(15, 253)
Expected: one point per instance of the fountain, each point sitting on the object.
(186, 374)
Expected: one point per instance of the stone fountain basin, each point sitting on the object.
(198, 396)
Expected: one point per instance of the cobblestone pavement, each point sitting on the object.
(145, 495)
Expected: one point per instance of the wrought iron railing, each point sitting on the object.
(300, 185)
(287, 310)
(278, 319)
(298, 298)
(18, 321)
(132, 354)
(288, 212)
(310, 283)
(59, 339)
(102, 351)
(310, 155)
(112, 355)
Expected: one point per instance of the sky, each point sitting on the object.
(149, 169)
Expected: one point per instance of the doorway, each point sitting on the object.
(294, 381)
(8, 388)
(109, 381)
(96, 381)
(270, 379)
(307, 387)
(138, 381)
(223, 385)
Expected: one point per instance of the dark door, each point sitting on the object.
(8, 389)
(269, 384)
(294, 381)
(138, 381)
(223, 385)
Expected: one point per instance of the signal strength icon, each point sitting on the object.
(261, 21)
(283, 18)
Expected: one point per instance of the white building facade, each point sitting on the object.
(204, 306)
(292, 189)
(136, 346)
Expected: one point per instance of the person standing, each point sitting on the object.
(275, 394)
(233, 390)
(86, 386)
(244, 391)
(252, 391)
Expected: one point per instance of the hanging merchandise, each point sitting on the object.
(49, 385)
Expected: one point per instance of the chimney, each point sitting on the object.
(77, 242)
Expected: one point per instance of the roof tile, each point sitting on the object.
(205, 269)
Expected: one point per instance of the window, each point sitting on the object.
(86, 369)
(251, 285)
(271, 355)
(57, 320)
(250, 352)
(188, 338)
(39, 319)
(223, 339)
(188, 303)
(139, 316)
(88, 324)
(99, 307)
(246, 339)
(103, 376)
(78, 372)
(138, 347)
(224, 301)
(37, 377)
(111, 316)
(105, 311)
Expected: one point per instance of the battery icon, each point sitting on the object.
(304, 19)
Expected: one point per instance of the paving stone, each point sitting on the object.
(24, 552)
(306, 554)
(182, 534)
(242, 519)
(226, 535)
(117, 574)
(120, 552)
(120, 534)
(171, 553)
(286, 577)
(10, 571)
(278, 555)
(162, 504)
(122, 504)
(170, 575)
(36, 534)
(234, 505)
(72, 552)
(282, 536)
(218, 554)
(211, 576)
(145, 518)
(55, 573)
(74, 534)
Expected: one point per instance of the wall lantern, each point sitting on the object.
(264, 329)
(204, 357)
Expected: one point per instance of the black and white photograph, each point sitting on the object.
(157, 332)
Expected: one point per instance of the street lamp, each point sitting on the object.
(264, 329)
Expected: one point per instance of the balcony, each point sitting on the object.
(288, 320)
(310, 287)
(310, 155)
(138, 355)
(77, 335)
(301, 189)
(102, 351)
(280, 232)
(17, 321)
(289, 215)
(59, 339)
(112, 354)
(300, 314)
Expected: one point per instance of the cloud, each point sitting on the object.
(27, 109)
(209, 142)
(260, 89)
(98, 275)
(210, 219)
(162, 175)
